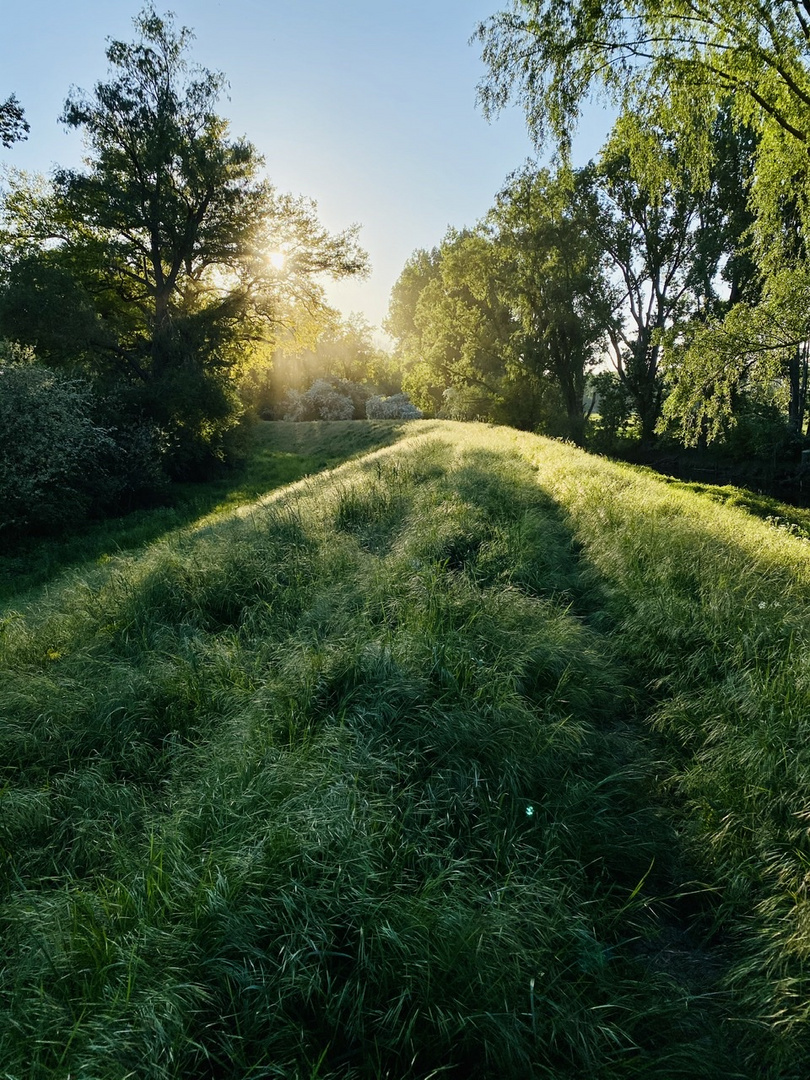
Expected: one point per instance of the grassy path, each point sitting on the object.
(474, 757)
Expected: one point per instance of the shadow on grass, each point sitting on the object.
(279, 454)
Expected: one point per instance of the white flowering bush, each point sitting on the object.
(50, 444)
(293, 407)
(321, 402)
(396, 407)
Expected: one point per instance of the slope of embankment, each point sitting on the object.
(476, 756)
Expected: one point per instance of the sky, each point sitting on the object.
(366, 106)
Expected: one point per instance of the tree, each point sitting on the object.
(761, 351)
(726, 269)
(555, 281)
(685, 57)
(13, 125)
(678, 64)
(646, 222)
(184, 254)
(453, 325)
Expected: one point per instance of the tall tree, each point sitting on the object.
(646, 226)
(555, 276)
(452, 325)
(182, 250)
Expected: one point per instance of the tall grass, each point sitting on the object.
(276, 454)
(475, 757)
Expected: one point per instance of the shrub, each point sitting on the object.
(613, 410)
(65, 453)
(50, 443)
(321, 402)
(396, 407)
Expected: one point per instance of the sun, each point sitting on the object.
(277, 259)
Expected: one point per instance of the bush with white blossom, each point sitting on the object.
(396, 407)
(321, 402)
(49, 442)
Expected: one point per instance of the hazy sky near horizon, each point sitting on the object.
(366, 106)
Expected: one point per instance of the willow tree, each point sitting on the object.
(684, 55)
(676, 63)
(758, 353)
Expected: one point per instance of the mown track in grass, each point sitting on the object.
(467, 759)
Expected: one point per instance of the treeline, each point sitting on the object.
(661, 293)
(140, 295)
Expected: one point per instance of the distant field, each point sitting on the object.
(472, 756)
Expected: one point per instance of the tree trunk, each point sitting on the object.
(797, 373)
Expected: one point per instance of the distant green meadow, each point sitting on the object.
(472, 756)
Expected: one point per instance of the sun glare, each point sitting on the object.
(277, 259)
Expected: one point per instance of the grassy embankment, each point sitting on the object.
(474, 757)
(279, 454)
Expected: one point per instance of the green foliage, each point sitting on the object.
(502, 322)
(725, 240)
(647, 223)
(758, 351)
(452, 323)
(46, 306)
(165, 240)
(64, 453)
(555, 280)
(681, 61)
(731, 80)
(13, 125)
(51, 449)
(613, 409)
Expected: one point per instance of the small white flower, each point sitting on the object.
(762, 604)
(529, 811)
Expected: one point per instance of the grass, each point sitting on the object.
(475, 756)
(278, 454)
(780, 515)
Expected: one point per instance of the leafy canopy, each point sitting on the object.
(683, 56)
(177, 257)
(13, 125)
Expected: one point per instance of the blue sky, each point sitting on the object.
(367, 106)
